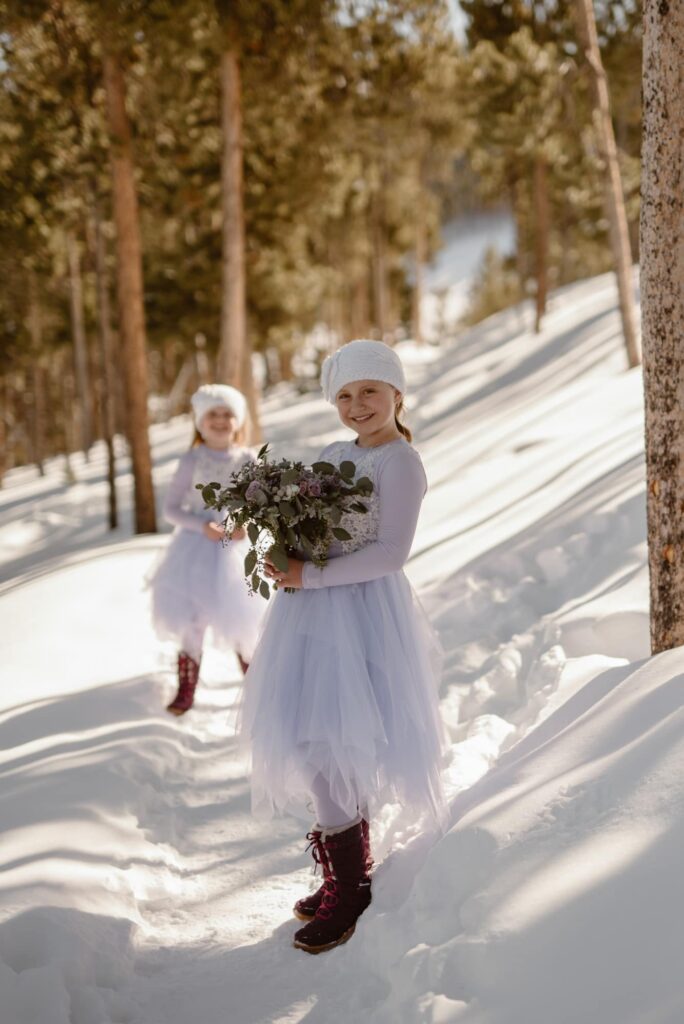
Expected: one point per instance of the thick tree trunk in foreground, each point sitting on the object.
(130, 291)
(662, 305)
(615, 202)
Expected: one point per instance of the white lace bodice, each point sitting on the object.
(363, 527)
(381, 538)
(184, 505)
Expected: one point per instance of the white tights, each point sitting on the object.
(328, 814)
(192, 640)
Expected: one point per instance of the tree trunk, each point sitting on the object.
(541, 237)
(379, 269)
(130, 291)
(78, 335)
(233, 300)
(67, 393)
(35, 324)
(418, 287)
(615, 203)
(251, 394)
(108, 376)
(662, 305)
(359, 312)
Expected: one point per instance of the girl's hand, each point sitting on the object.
(239, 533)
(214, 531)
(291, 578)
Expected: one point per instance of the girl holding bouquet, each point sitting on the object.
(342, 708)
(199, 584)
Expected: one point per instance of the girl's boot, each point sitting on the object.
(188, 674)
(346, 891)
(244, 665)
(305, 908)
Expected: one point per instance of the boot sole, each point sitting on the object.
(303, 917)
(177, 711)
(314, 950)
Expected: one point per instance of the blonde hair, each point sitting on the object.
(401, 427)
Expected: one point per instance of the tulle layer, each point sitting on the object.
(200, 581)
(343, 683)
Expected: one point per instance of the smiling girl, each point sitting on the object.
(341, 711)
(199, 585)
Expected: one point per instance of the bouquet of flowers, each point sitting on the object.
(287, 508)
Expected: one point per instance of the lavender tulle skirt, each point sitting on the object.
(344, 684)
(199, 583)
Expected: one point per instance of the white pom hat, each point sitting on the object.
(361, 360)
(218, 396)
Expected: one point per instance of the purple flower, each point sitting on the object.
(304, 487)
(314, 489)
(252, 490)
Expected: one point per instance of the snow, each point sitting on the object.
(136, 886)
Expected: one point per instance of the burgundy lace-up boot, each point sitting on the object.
(346, 893)
(244, 665)
(188, 674)
(305, 909)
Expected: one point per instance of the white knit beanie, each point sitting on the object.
(361, 360)
(214, 396)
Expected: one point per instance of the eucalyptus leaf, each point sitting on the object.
(286, 509)
(263, 451)
(278, 557)
(250, 562)
(340, 533)
(335, 515)
(347, 469)
(208, 495)
(265, 590)
(253, 532)
(256, 581)
(290, 476)
(323, 467)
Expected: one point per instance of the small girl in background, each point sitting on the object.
(200, 583)
(342, 707)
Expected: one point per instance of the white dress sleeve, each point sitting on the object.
(401, 487)
(177, 494)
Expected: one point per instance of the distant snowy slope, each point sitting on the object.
(136, 886)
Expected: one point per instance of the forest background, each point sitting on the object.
(185, 185)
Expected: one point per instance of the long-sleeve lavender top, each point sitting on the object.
(183, 504)
(382, 538)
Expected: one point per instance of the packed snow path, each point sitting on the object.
(138, 888)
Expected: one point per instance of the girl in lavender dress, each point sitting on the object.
(199, 586)
(341, 710)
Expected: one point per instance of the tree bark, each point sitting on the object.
(541, 237)
(130, 291)
(108, 375)
(233, 301)
(614, 197)
(662, 306)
